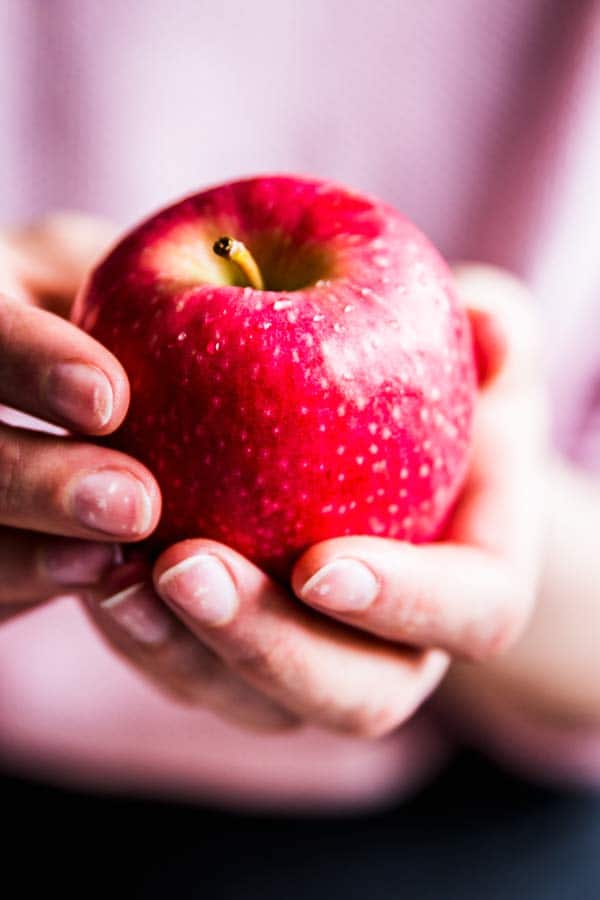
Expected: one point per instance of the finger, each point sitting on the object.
(507, 333)
(499, 509)
(309, 665)
(489, 344)
(53, 370)
(55, 485)
(49, 258)
(145, 633)
(458, 598)
(33, 568)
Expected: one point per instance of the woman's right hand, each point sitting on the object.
(65, 503)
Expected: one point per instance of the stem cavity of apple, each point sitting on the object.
(238, 253)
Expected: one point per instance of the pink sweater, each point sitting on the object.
(481, 121)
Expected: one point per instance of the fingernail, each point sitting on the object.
(140, 614)
(112, 502)
(344, 585)
(202, 587)
(80, 394)
(75, 562)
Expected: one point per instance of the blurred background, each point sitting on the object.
(481, 121)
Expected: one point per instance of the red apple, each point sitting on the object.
(337, 400)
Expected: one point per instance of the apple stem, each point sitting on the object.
(237, 252)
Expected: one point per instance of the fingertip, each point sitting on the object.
(119, 382)
(505, 321)
(154, 499)
(87, 397)
(199, 584)
(490, 345)
(178, 553)
(313, 560)
(360, 550)
(149, 507)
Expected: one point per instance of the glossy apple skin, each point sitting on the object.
(276, 419)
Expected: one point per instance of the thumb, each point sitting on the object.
(49, 258)
(506, 332)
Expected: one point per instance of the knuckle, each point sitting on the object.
(505, 296)
(274, 661)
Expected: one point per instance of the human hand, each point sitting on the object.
(63, 503)
(472, 592)
(228, 637)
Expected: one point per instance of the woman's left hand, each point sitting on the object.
(229, 638)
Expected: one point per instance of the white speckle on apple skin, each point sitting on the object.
(377, 525)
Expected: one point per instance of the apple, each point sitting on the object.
(300, 367)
